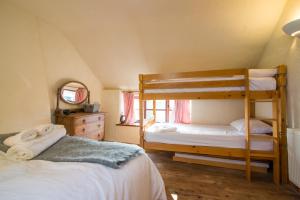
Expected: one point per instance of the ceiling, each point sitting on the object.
(119, 39)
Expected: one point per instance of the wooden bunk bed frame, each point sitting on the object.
(278, 121)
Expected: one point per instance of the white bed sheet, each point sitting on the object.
(37, 179)
(203, 135)
(256, 84)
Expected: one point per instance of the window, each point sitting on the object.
(164, 110)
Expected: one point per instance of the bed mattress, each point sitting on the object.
(38, 179)
(256, 84)
(203, 135)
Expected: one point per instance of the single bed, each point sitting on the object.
(37, 179)
(203, 135)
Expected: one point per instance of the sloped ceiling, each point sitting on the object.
(121, 38)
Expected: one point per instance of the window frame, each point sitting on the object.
(166, 109)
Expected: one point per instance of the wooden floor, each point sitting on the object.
(192, 181)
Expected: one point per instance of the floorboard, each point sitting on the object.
(193, 181)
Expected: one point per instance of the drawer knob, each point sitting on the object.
(83, 121)
(99, 118)
(83, 129)
(99, 125)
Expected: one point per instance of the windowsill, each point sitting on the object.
(130, 125)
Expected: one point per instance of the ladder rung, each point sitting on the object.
(262, 137)
(262, 155)
(265, 119)
(261, 100)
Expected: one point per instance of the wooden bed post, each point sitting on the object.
(252, 109)
(282, 82)
(141, 107)
(154, 110)
(247, 126)
(276, 161)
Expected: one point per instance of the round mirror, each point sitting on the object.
(74, 92)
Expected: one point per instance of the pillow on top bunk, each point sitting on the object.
(262, 72)
(256, 126)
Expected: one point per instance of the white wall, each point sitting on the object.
(63, 63)
(283, 49)
(35, 58)
(24, 94)
(129, 37)
(112, 106)
(217, 111)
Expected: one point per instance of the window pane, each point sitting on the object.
(136, 104)
(172, 116)
(172, 104)
(149, 114)
(160, 104)
(160, 116)
(149, 104)
(136, 110)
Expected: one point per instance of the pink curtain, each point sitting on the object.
(79, 95)
(128, 107)
(182, 111)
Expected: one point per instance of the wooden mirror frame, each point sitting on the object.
(59, 95)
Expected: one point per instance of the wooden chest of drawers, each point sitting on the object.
(90, 125)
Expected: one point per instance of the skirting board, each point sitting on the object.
(219, 162)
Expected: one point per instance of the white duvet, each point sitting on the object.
(203, 135)
(139, 179)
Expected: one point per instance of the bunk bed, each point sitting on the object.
(251, 85)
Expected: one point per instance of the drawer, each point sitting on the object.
(80, 132)
(88, 119)
(87, 128)
(101, 135)
(95, 135)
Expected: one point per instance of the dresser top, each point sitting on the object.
(82, 114)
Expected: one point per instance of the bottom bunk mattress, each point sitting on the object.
(202, 135)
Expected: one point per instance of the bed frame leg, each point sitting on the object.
(247, 126)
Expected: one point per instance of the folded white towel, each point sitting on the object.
(45, 128)
(163, 129)
(30, 149)
(23, 136)
(31, 134)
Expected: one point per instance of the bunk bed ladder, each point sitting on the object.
(271, 155)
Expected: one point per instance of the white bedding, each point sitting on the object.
(204, 135)
(256, 84)
(34, 180)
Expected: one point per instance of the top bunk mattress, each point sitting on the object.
(255, 84)
(202, 135)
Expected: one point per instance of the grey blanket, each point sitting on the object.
(76, 149)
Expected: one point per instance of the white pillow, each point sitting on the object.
(262, 72)
(256, 126)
